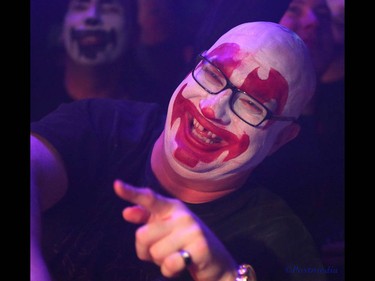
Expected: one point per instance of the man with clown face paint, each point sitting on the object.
(205, 139)
(95, 39)
(185, 179)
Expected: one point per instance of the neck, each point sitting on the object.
(185, 189)
(102, 81)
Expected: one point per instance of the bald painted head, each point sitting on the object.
(238, 105)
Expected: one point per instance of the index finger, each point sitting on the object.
(150, 200)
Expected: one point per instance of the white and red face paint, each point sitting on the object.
(204, 138)
(94, 31)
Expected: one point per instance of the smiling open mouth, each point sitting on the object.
(198, 139)
(203, 134)
(92, 42)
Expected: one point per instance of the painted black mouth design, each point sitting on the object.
(103, 39)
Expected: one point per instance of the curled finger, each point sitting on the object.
(176, 263)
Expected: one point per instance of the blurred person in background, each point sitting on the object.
(85, 56)
(330, 108)
(336, 69)
(310, 170)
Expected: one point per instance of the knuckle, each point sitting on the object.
(150, 196)
(156, 255)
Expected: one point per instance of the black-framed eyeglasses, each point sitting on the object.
(246, 107)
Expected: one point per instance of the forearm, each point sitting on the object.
(47, 186)
(38, 268)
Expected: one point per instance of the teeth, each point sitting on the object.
(203, 134)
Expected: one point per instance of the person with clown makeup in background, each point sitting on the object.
(182, 181)
(89, 60)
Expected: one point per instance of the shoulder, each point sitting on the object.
(100, 112)
(100, 123)
(107, 106)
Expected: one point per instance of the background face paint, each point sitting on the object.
(94, 31)
(244, 57)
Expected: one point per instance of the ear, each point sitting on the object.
(285, 135)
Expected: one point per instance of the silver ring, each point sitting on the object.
(186, 256)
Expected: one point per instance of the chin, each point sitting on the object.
(205, 172)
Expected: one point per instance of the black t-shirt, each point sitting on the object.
(309, 172)
(85, 237)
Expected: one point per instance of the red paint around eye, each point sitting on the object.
(225, 60)
(274, 87)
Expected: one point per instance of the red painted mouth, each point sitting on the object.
(199, 140)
